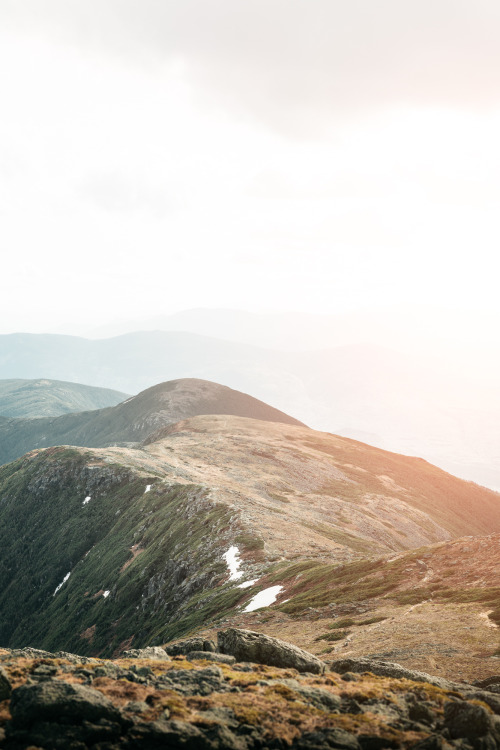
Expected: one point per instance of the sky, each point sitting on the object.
(268, 155)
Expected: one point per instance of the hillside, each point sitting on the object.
(133, 546)
(51, 398)
(395, 401)
(132, 420)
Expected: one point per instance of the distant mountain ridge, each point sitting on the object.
(395, 401)
(134, 419)
(51, 398)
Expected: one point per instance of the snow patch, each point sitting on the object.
(87, 500)
(148, 488)
(233, 563)
(62, 582)
(247, 584)
(263, 598)
(106, 594)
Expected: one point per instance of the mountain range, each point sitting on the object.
(361, 550)
(133, 420)
(51, 398)
(369, 393)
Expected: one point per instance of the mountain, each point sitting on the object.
(110, 548)
(371, 393)
(134, 419)
(50, 398)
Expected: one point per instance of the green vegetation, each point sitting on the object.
(151, 552)
(344, 538)
(249, 542)
(313, 584)
(344, 622)
(337, 635)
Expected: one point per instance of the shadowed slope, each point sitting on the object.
(134, 419)
(51, 398)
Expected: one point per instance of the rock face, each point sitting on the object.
(61, 704)
(55, 700)
(246, 645)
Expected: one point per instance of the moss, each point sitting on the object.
(337, 635)
(344, 622)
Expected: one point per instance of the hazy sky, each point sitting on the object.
(310, 155)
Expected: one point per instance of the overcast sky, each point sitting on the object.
(310, 155)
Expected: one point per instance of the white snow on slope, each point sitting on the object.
(263, 598)
(148, 488)
(62, 582)
(247, 584)
(233, 563)
(87, 500)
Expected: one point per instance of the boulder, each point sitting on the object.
(151, 652)
(464, 719)
(247, 645)
(221, 658)
(190, 644)
(388, 669)
(55, 700)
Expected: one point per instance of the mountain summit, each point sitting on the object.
(135, 419)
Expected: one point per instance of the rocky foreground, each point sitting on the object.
(196, 694)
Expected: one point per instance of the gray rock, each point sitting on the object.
(488, 683)
(172, 734)
(388, 669)
(325, 739)
(320, 698)
(76, 658)
(5, 685)
(190, 644)
(246, 645)
(54, 700)
(151, 652)
(194, 681)
(464, 719)
(221, 658)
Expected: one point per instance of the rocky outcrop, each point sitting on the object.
(247, 645)
(55, 700)
(387, 669)
(123, 704)
(190, 644)
(151, 652)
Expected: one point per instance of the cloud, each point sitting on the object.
(294, 65)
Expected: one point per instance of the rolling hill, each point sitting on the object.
(51, 398)
(371, 393)
(132, 420)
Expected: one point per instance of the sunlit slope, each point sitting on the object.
(142, 531)
(293, 475)
(436, 608)
(51, 398)
(134, 419)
